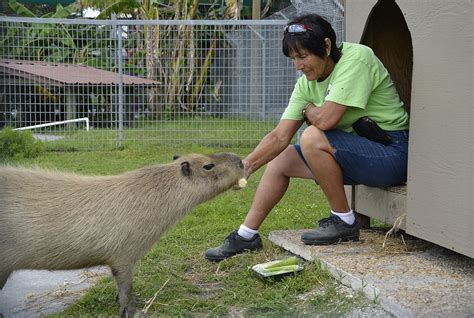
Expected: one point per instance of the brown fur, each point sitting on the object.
(52, 220)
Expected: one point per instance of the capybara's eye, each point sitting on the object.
(241, 164)
(209, 166)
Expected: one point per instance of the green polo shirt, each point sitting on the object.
(360, 82)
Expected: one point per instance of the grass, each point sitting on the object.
(205, 130)
(175, 270)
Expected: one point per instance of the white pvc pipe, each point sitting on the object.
(57, 123)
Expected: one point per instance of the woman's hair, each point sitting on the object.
(317, 29)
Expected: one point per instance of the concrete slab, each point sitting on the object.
(33, 293)
(409, 277)
(44, 137)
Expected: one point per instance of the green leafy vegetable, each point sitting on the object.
(290, 263)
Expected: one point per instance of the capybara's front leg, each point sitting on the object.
(124, 278)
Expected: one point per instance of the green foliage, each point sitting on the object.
(24, 11)
(119, 7)
(20, 9)
(61, 43)
(15, 145)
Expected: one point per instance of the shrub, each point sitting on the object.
(18, 144)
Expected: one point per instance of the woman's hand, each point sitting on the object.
(309, 112)
(271, 145)
(325, 117)
(247, 170)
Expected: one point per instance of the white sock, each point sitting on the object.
(347, 217)
(246, 232)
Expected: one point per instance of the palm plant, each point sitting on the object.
(49, 42)
(177, 64)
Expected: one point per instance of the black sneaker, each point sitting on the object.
(331, 230)
(233, 244)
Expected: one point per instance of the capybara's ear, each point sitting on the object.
(176, 157)
(185, 169)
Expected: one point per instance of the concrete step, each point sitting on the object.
(409, 277)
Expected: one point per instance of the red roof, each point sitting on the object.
(67, 74)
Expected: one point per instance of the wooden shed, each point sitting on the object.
(427, 47)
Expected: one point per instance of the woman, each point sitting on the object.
(342, 88)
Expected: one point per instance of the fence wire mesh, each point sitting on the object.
(96, 84)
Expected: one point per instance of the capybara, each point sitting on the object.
(53, 220)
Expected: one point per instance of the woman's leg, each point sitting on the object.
(270, 190)
(274, 184)
(337, 158)
(319, 155)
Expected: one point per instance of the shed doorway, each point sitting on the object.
(386, 32)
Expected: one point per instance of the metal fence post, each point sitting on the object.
(118, 31)
(264, 78)
(255, 78)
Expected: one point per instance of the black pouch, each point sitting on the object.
(369, 129)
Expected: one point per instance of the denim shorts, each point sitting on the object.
(367, 162)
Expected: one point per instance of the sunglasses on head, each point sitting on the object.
(297, 28)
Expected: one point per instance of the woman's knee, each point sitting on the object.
(283, 162)
(314, 139)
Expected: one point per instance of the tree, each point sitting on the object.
(184, 79)
(43, 42)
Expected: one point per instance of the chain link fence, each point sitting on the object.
(107, 83)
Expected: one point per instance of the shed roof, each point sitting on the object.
(67, 74)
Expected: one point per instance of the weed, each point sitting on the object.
(16, 145)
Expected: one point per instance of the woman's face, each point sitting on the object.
(313, 67)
